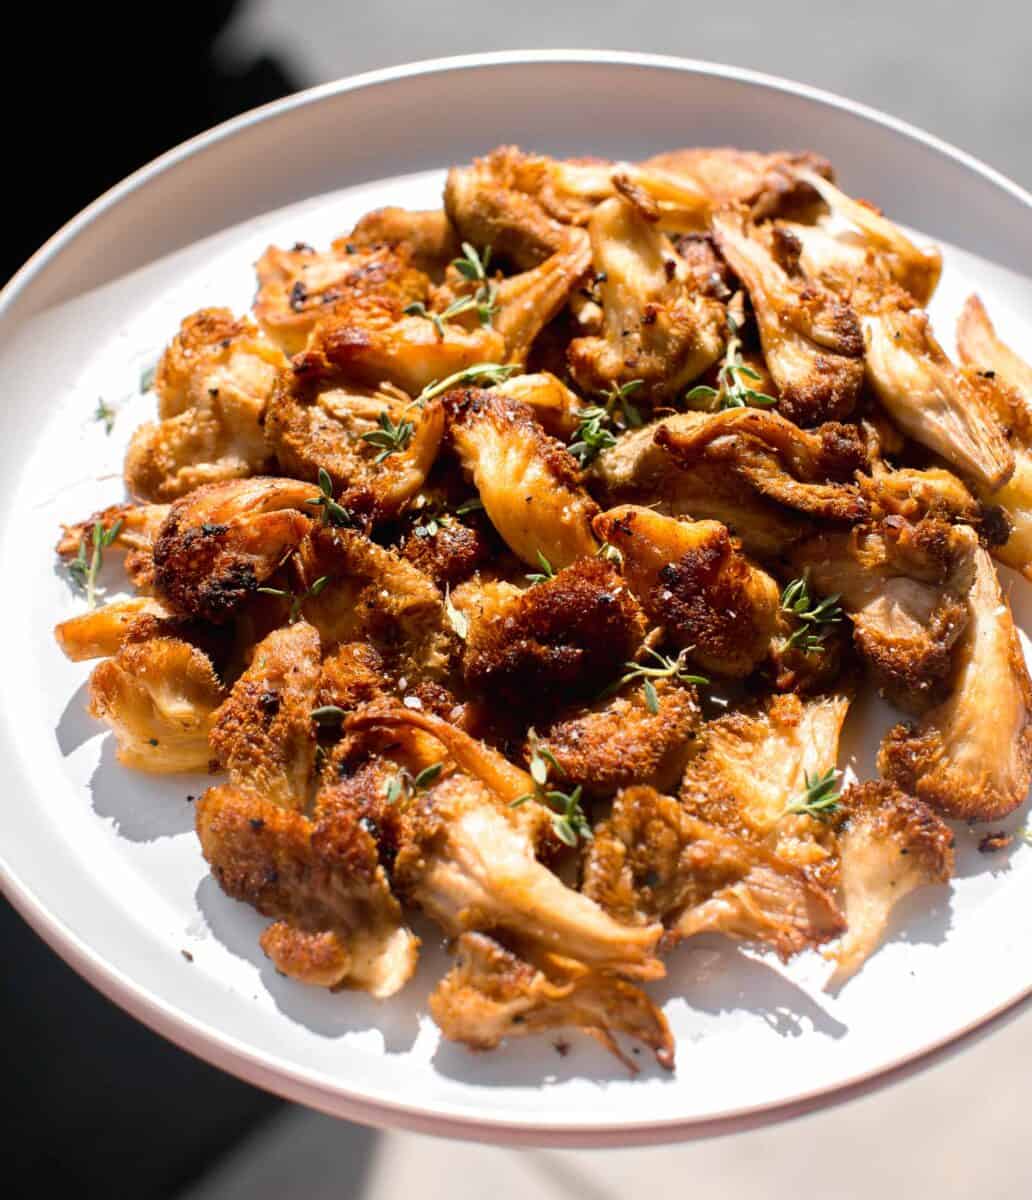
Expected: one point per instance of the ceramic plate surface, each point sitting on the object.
(104, 862)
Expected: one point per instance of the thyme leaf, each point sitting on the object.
(389, 438)
(566, 811)
(105, 413)
(332, 513)
(473, 266)
(822, 795)
(547, 570)
(617, 398)
(612, 554)
(734, 380)
(797, 602)
(675, 669)
(485, 372)
(328, 714)
(147, 376)
(591, 436)
(296, 599)
(86, 565)
(405, 786)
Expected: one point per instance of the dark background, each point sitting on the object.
(99, 1106)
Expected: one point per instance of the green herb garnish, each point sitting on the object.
(547, 570)
(732, 390)
(404, 786)
(332, 513)
(390, 438)
(86, 566)
(433, 515)
(296, 598)
(822, 795)
(616, 398)
(106, 414)
(147, 376)
(328, 714)
(797, 602)
(474, 268)
(486, 372)
(675, 669)
(591, 436)
(565, 809)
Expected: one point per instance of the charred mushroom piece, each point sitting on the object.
(889, 844)
(971, 757)
(491, 995)
(693, 580)
(906, 264)
(336, 923)
(565, 637)
(529, 484)
(811, 338)
(660, 331)
(652, 860)
(213, 383)
(809, 471)
(947, 409)
(1010, 391)
(905, 588)
(300, 287)
(220, 542)
(636, 736)
(469, 865)
(159, 695)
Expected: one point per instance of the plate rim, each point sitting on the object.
(300, 1083)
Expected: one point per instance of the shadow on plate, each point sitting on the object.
(76, 726)
(237, 927)
(713, 976)
(143, 807)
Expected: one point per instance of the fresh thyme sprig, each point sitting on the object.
(296, 598)
(485, 372)
(106, 414)
(822, 795)
(591, 436)
(547, 570)
(390, 438)
(732, 391)
(566, 812)
(404, 786)
(332, 513)
(418, 309)
(473, 267)
(797, 602)
(86, 566)
(675, 669)
(616, 398)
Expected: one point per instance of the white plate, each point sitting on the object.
(104, 863)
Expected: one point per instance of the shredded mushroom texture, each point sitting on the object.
(513, 565)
